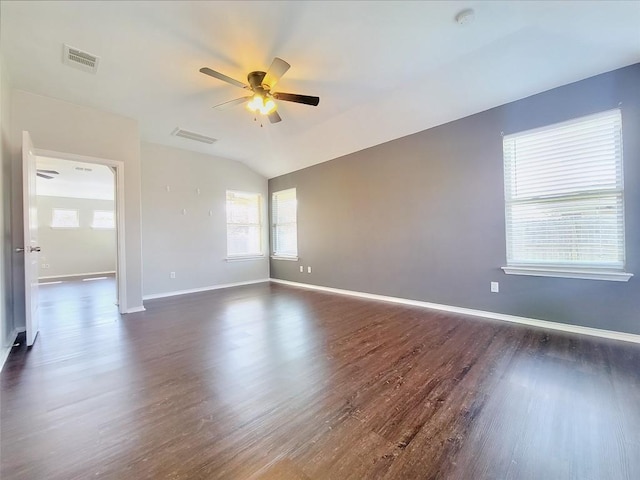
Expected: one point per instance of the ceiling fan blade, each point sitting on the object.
(48, 177)
(231, 103)
(223, 77)
(51, 172)
(274, 117)
(294, 97)
(277, 69)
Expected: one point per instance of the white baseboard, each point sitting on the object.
(533, 322)
(6, 350)
(77, 275)
(203, 289)
(136, 309)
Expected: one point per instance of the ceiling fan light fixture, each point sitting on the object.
(261, 104)
(268, 107)
(256, 103)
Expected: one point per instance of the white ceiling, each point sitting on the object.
(75, 179)
(382, 69)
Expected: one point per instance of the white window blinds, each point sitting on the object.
(244, 225)
(284, 218)
(564, 194)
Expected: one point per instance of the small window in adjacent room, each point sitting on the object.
(244, 224)
(564, 199)
(65, 218)
(284, 224)
(104, 219)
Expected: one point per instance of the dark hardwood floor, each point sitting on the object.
(274, 382)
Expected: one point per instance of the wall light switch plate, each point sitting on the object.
(301, 269)
(495, 287)
(308, 269)
(172, 275)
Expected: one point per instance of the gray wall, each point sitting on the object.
(422, 217)
(75, 251)
(68, 128)
(193, 244)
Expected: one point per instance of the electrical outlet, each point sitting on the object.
(172, 275)
(495, 287)
(301, 269)
(308, 269)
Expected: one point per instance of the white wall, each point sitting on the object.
(75, 251)
(193, 244)
(6, 302)
(68, 128)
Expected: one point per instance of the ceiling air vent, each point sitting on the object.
(179, 132)
(79, 59)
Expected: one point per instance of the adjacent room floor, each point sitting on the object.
(274, 382)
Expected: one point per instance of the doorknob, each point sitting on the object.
(34, 249)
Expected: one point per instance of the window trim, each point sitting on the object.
(245, 256)
(289, 258)
(560, 270)
(283, 256)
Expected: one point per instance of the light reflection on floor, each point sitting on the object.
(280, 343)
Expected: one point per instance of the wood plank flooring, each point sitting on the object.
(274, 382)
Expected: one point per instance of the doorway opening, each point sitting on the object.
(91, 178)
(77, 234)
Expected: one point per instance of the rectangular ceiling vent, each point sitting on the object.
(179, 132)
(79, 59)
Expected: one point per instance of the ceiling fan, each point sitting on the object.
(261, 84)
(48, 174)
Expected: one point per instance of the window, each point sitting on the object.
(285, 228)
(244, 225)
(65, 218)
(564, 199)
(103, 219)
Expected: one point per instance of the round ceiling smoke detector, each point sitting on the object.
(465, 16)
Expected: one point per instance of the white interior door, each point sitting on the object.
(31, 248)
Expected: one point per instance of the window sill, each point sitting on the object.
(566, 272)
(244, 258)
(281, 257)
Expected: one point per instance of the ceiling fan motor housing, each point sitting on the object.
(255, 81)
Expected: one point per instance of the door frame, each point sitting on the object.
(118, 170)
